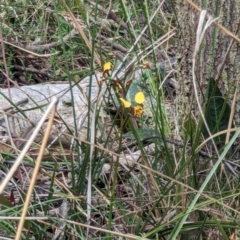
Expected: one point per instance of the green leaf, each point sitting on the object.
(216, 111)
(142, 133)
(132, 91)
(189, 127)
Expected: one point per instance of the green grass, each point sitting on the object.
(170, 190)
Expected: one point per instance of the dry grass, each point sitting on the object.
(153, 177)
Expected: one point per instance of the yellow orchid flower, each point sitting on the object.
(138, 111)
(139, 97)
(125, 103)
(106, 67)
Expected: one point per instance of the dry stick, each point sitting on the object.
(27, 51)
(226, 31)
(115, 45)
(110, 14)
(43, 47)
(52, 44)
(52, 107)
(80, 29)
(32, 70)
